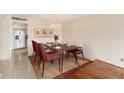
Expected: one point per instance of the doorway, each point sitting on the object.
(20, 35)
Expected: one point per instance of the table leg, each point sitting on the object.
(62, 62)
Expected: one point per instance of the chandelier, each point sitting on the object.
(55, 21)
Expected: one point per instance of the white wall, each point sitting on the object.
(101, 36)
(4, 38)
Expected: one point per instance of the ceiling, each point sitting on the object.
(61, 18)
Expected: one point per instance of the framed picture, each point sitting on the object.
(37, 32)
(43, 32)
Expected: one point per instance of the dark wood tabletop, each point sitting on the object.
(62, 47)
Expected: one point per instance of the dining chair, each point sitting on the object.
(47, 56)
(37, 54)
(34, 43)
(75, 52)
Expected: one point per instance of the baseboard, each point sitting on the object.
(20, 48)
(86, 58)
(98, 60)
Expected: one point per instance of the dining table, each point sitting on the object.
(61, 48)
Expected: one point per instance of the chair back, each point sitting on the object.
(37, 49)
(34, 45)
(42, 51)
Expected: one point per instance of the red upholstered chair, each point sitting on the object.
(37, 54)
(47, 56)
(75, 52)
(34, 43)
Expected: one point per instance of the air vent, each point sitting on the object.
(19, 18)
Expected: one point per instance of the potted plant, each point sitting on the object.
(56, 37)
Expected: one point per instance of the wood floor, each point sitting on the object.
(94, 70)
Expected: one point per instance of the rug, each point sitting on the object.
(52, 70)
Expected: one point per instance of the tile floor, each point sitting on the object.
(18, 67)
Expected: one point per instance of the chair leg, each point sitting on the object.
(33, 55)
(82, 55)
(38, 60)
(52, 62)
(39, 65)
(76, 59)
(43, 68)
(67, 55)
(62, 67)
(59, 64)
